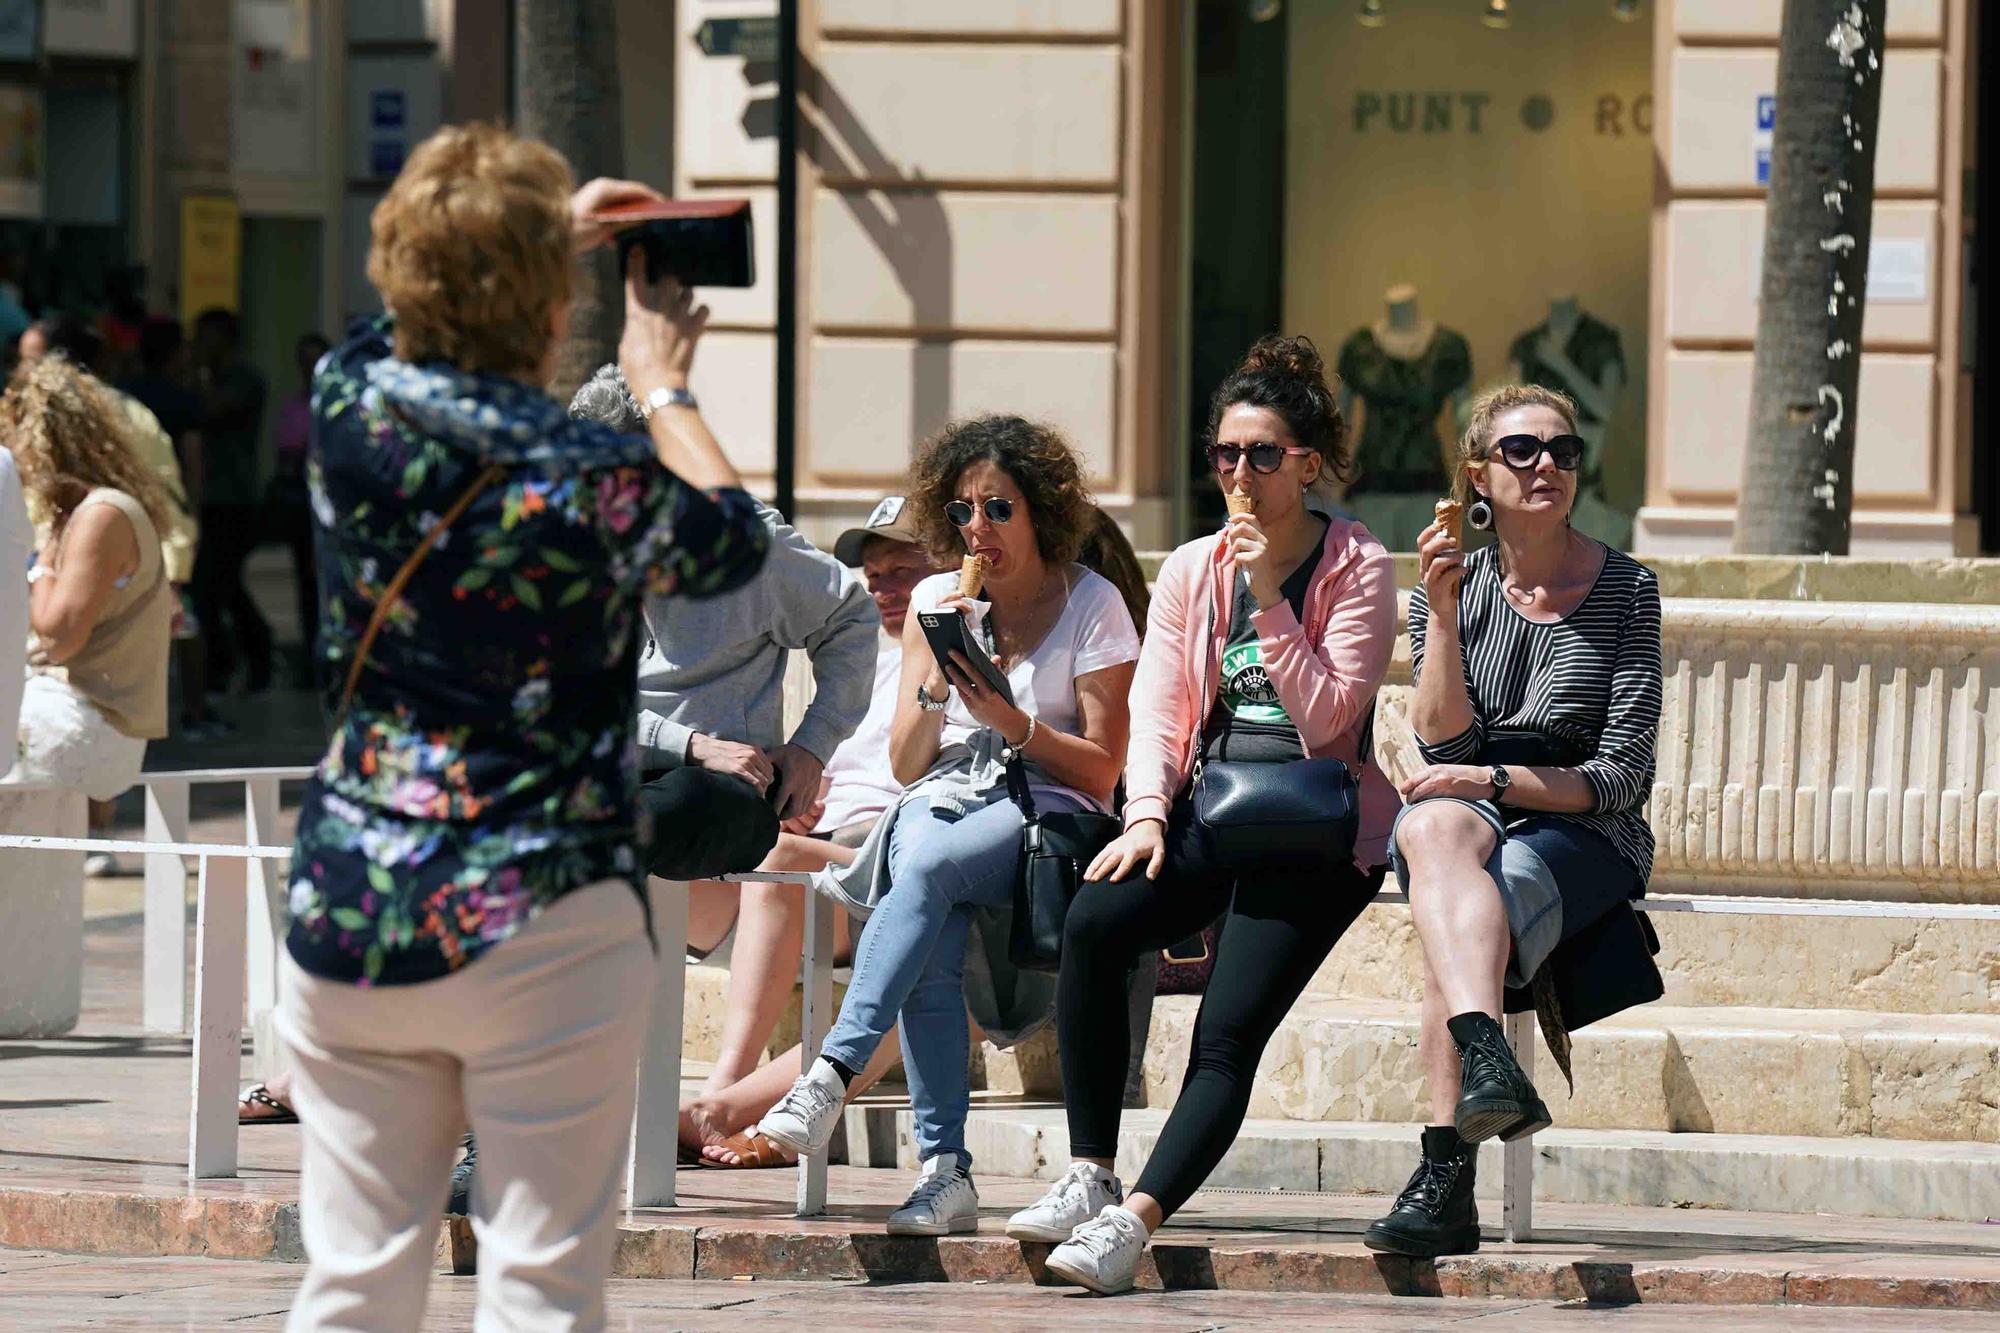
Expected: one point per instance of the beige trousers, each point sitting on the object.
(536, 1045)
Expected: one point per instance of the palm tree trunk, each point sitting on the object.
(566, 61)
(1798, 475)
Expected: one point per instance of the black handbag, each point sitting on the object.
(1055, 848)
(1292, 816)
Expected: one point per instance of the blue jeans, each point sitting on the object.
(910, 962)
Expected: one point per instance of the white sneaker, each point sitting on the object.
(1104, 1253)
(944, 1203)
(1084, 1191)
(804, 1117)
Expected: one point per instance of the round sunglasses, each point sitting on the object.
(997, 510)
(1522, 452)
(1264, 457)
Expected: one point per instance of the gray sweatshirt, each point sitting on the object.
(717, 665)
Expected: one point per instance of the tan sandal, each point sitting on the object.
(754, 1152)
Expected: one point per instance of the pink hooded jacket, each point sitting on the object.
(1326, 671)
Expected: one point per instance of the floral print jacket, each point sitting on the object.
(487, 765)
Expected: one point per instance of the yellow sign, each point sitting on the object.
(211, 254)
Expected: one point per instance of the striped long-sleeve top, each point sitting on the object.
(1589, 682)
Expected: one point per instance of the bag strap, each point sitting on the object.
(394, 590)
(1017, 786)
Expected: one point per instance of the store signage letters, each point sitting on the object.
(1614, 115)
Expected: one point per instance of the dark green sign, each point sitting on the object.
(750, 38)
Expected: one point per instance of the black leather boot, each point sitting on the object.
(460, 1202)
(1494, 1094)
(1435, 1214)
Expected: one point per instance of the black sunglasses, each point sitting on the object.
(997, 511)
(1265, 457)
(1522, 452)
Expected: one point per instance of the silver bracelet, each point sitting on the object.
(1022, 748)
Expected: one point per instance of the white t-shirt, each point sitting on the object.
(1095, 631)
(17, 537)
(861, 783)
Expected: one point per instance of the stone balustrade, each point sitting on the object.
(1821, 749)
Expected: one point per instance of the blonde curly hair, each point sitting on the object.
(69, 436)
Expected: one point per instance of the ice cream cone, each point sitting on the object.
(1239, 502)
(972, 575)
(1448, 514)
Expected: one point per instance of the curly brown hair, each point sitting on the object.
(471, 249)
(1037, 457)
(69, 435)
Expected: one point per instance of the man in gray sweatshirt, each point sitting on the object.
(719, 772)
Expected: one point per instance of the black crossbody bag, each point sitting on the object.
(1302, 815)
(1055, 849)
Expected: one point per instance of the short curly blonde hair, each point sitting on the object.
(1486, 409)
(471, 249)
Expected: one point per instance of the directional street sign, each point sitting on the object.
(749, 38)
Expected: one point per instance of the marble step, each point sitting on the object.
(1660, 1067)
(1667, 1068)
(1745, 1172)
(1839, 963)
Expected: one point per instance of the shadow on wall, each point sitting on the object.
(908, 225)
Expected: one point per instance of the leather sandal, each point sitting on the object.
(753, 1151)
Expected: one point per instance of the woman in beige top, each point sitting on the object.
(99, 608)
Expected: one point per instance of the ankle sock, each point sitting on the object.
(1467, 1028)
(1441, 1142)
(847, 1076)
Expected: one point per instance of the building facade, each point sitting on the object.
(1085, 210)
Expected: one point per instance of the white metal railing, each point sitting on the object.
(226, 871)
(226, 944)
(231, 877)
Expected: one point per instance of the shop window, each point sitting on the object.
(1442, 205)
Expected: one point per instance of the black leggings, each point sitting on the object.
(1277, 930)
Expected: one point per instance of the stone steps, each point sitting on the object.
(1823, 962)
(1818, 1073)
(1829, 1073)
(1896, 1178)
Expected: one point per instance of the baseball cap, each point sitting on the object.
(890, 518)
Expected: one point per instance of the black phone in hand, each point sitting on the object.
(949, 631)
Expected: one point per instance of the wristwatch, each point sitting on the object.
(665, 397)
(928, 704)
(1500, 780)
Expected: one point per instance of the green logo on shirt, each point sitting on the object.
(1247, 688)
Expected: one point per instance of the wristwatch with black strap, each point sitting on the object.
(1501, 780)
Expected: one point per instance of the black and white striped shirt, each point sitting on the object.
(1589, 682)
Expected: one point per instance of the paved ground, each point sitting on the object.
(92, 1160)
(53, 1291)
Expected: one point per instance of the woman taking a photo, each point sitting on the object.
(1265, 646)
(99, 605)
(1537, 666)
(469, 936)
(1011, 493)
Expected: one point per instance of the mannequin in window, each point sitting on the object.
(1574, 352)
(1405, 368)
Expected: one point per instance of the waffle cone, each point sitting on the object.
(972, 575)
(1239, 502)
(1449, 514)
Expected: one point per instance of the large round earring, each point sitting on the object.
(1479, 514)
